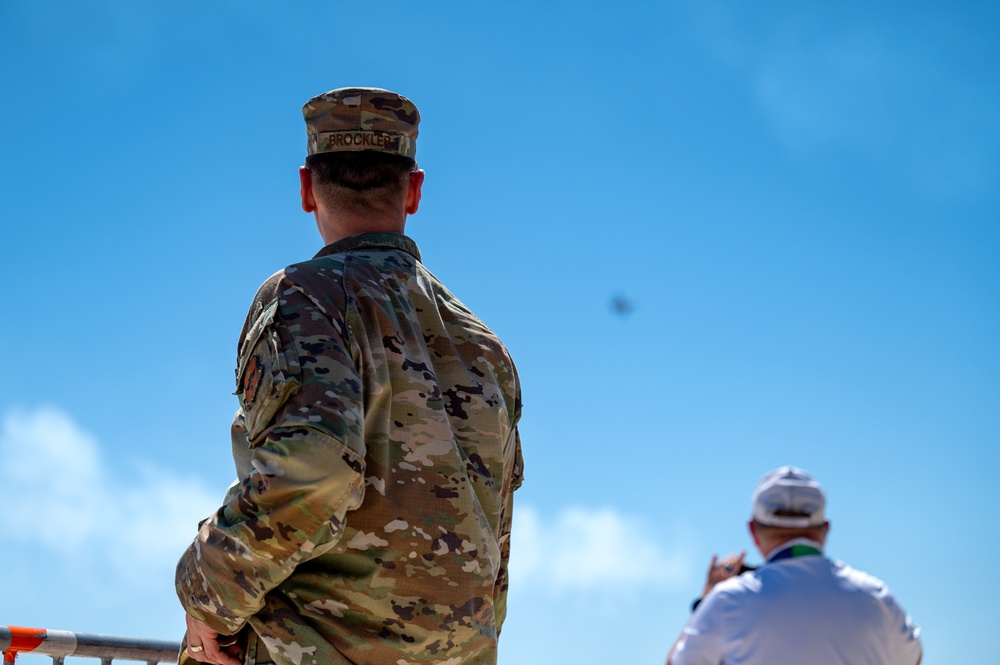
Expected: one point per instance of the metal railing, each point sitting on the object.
(61, 643)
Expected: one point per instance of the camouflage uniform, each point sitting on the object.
(377, 451)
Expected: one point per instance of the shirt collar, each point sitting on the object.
(794, 548)
(380, 239)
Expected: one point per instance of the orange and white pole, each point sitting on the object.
(61, 643)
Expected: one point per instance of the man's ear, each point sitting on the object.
(413, 192)
(753, 533)
(306, 190)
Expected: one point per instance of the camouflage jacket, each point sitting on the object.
(377, 452)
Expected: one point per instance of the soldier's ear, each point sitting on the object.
(306, 190)
(413, 192)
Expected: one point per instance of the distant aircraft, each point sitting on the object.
(622, 306)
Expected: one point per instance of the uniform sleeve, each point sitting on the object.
(506, 514)
(302, 408)
(701, 640)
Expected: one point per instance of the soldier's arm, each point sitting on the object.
(513, 480)
(302, 403)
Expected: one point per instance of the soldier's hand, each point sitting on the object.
(719, 571)
(203, 645)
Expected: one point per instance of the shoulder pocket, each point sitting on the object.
(267, 371)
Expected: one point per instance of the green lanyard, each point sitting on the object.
(795, 551)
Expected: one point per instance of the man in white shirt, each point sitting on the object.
(799, 607)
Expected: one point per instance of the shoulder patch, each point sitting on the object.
(267, 371)
(251, 380)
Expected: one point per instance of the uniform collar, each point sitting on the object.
(795, 548)
(381, 239)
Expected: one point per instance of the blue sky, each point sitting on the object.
(800, 200)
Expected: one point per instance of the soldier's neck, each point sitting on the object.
(337, 227)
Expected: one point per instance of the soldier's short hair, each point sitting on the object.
(360, 182)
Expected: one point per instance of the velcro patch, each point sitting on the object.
(251, 380)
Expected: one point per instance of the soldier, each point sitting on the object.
(376, 444)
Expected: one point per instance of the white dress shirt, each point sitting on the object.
(799, 608)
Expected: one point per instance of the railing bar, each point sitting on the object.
(58, 644)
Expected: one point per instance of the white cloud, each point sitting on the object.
(866, 87)
(591, 550)
(897, 105)
(59, 494)
(838, 89)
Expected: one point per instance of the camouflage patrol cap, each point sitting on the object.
(354, 119)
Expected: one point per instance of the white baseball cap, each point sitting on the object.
(789, 497)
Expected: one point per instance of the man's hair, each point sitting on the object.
(360, 182)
